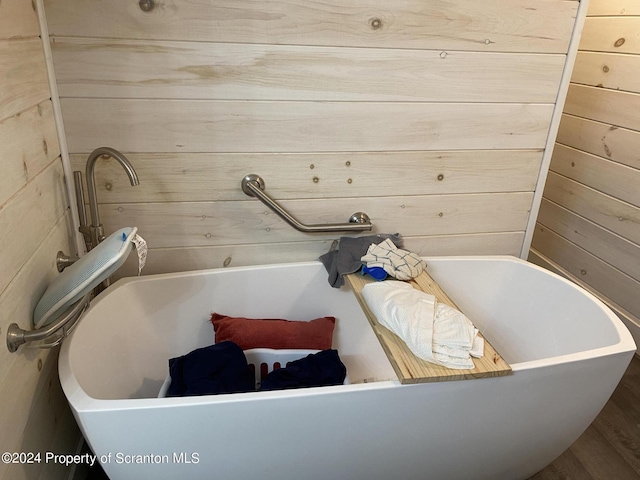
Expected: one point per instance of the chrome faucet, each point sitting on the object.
(94, 233)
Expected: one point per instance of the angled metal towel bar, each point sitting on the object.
(253, 186)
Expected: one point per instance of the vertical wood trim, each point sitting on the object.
(62, 136)
(555, 124)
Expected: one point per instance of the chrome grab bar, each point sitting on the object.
(60, 327)
(253, 186)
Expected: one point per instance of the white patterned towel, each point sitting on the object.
(398, 263)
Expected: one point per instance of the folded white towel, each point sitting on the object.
(398, 263)
(434, 332)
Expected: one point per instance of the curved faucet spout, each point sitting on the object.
(103, 152)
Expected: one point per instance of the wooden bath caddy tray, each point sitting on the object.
(408, 367)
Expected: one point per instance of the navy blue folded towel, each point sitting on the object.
(316, 370)
(219, 368)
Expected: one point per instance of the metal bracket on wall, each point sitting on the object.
(253, 186)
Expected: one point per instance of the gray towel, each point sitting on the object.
(346, 258)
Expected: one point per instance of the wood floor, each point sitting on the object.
(610, 448)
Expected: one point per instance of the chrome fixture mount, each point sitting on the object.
(52, 334)
(253, 186)
(63, 260)
(94, 233)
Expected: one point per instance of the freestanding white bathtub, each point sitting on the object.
(567, 350)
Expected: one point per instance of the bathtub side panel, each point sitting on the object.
(498, 428)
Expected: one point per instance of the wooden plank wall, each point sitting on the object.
(34, 220)
(589, 222)
(429, 116)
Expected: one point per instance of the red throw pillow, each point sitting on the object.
(274, 333)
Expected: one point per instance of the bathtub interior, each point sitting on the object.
(527, 313)
(120, 349)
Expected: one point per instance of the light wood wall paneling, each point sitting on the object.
(607, 106)
(18, 19)
(179, 259)
(164, 260)
(19, 374)
(221, 223)
(33, 227)
(609, 247)
(28, 387)
(29, 143)
(205, 177)
(608, 141)
(613, 7)
(607, 70)
(23, 79)
(612, 214)
(199, 70)
(614, 179)
(491, 25)
(611, 34)
(17, 303)
(611, 282)
(235, 126)
(44, 411)
(42, 202)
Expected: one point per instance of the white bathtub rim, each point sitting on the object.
(82, 402)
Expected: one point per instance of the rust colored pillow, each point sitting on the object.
(274, 333)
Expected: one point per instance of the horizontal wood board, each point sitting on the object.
(606, 245)
(608, 141)
(249, 222)
(185, 177)
(239, 126)
(226, 71)
(613, 71)
(615, 34)
(18, 20)
(613, 7)
(611, 213)
(411, 369)
(491, 25)
(612, 178)
(603, 105)
(30, 144)
(23, 79)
